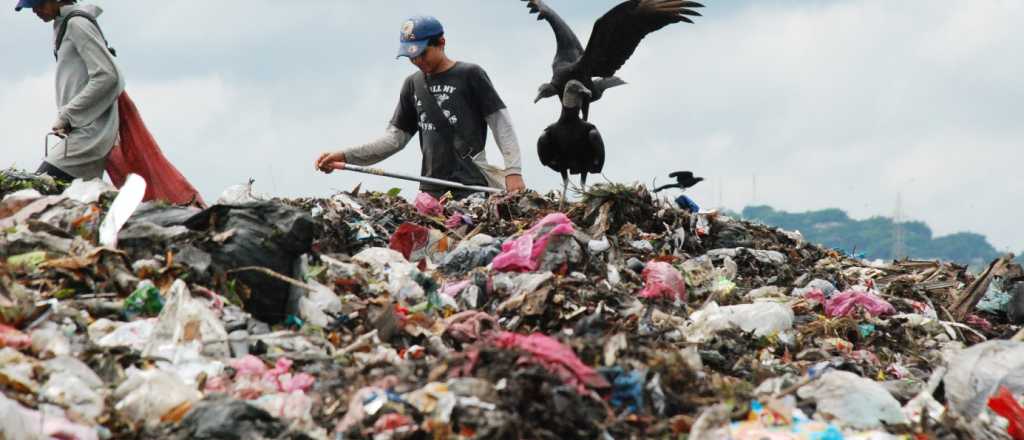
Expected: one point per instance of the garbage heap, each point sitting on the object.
(365, 316)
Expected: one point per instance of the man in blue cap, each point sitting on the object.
(451, 104)
(88, 84)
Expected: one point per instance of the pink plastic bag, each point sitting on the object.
(554, 357)
(138, 153)
(523, 254)
(846, 303)
(249, 365)
(661, 280)
(427, 205)
(457, 220)
(470, 325)
(12, 337)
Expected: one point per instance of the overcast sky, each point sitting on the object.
(842, 103)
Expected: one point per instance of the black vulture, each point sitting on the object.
(614, 38)
(572, 145)
(684, 180)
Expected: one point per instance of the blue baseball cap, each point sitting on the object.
(27, 4)
(415, 34)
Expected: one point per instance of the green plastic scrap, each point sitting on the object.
(29, 261)
(144, 301)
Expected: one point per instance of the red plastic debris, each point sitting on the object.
(662, 280)
(554, 357)
(391, 422)
(978, 323)
(1006, 405)
(408, 238)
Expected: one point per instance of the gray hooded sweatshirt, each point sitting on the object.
(88, 84)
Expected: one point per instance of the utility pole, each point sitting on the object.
(899, 244)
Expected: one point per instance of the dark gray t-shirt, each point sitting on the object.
(466, 97)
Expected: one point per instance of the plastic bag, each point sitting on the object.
(846, 303)
(410, 238)
(555, 357)
(70, 391)
(241, 194)
(1006, 405)
(853, 401)
(186, 320)
(523, 254)
(427, 205)
(147, 396)
(661, 280)
(12, 337)
(135, 334)
(87, 191)
(265, 234)
(825, 287)
(49, 341)
(315, 306)
(761, 318)
(976, 373)
(224, 418)
(25, 424)
(139, 153)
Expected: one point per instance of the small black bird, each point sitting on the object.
(614, 38)
(572, 145)
(684, 180)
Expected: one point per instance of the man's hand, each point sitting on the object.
(514, 183)
(61, 127)
(328, 162)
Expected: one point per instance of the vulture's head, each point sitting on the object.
(575, 94)
(546, 90)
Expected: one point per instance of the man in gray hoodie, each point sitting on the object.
(88, 83)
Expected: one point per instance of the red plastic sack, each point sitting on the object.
(138, 153)
(661, 280)
(409, 238)
(1004, 404)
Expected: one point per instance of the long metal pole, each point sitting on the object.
(431, 180)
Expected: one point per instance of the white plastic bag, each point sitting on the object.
(186, 320)
(148, 395)
(853, 401)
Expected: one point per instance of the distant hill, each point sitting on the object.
(874, 237)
